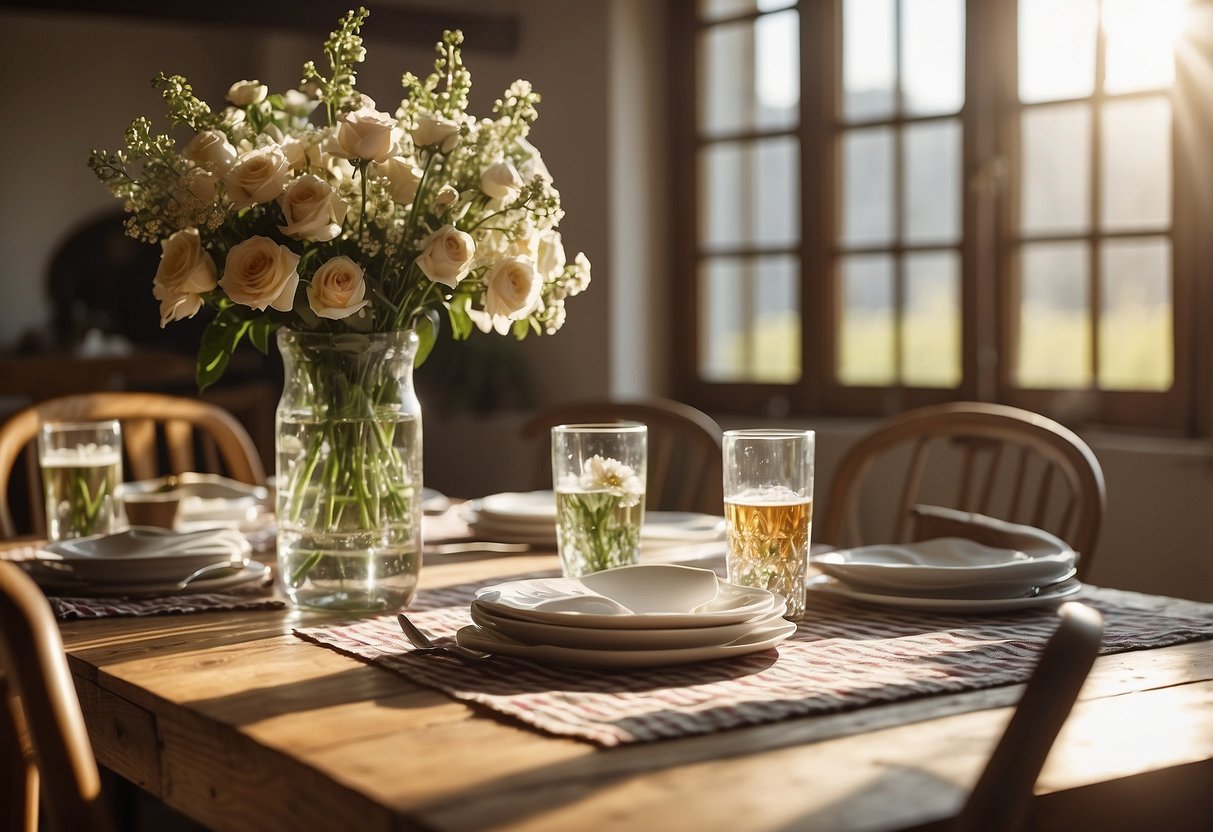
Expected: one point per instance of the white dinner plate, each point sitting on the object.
(948, 563)
(1051, 595)
(607, 599)
(608, 638)
(761, 638)
(530, 517)
(139, 555)
(254, 571)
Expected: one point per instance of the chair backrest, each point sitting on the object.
(684, 464)
(179, 421)
(1000, 461)
(43, 713)
(1002, 798)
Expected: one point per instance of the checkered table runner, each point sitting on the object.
(842, 656)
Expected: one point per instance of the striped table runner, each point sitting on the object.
(842, 657)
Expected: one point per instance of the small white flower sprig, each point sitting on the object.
(369, 222)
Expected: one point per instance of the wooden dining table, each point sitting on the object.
(235, 721)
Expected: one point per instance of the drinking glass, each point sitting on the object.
(81, 468)
(598, 472)
(768, 509)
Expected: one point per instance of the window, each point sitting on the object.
(894, 202)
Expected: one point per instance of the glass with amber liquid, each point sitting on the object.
(768, 505)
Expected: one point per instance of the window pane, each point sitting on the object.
(1135, 339)
(932, 56)
(749, 322)
(1136, 165)
(868, 54)
(931, 327)
(1056, 192)
(749, 194)
(867, 190)
(931, 199)
(866, 331)
(722, 331)
(775, 334)
(1140, 37)
(751, 74)
(712, 9)
(1056, 49)
(1054, 318)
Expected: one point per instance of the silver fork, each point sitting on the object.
(421, 641)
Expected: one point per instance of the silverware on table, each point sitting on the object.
(422, 641)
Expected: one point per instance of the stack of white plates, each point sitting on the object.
(145, 561)
(530, 517)
(649, 615)
(952, 574)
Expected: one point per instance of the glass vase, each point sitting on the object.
(348, 440)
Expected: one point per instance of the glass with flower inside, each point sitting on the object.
(598, 472)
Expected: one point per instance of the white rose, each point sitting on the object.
(185, 271)
(260, 273)
(500, 181)
(533, 165)
(210, 149)
(511, 288)
(244, 93)
(446, 255)
(403, 178)
(337, 289)
(259, 176)
(367, 134)
(434, 130)
(298, 104)
(445, 198)
(550, 256)
(312, 210)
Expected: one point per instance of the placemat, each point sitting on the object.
(842, 656)
(257, 596)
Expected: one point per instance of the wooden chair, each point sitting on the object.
(44, 744)
(998, 461)
(1002, 799)
(184, 425)
(684, 464)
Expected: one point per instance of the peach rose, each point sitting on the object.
(337, 289)
(511, 288)
(368, 134)
(312, 210)
(259, 176)
(260, 273)
(185, 271)
(446, 255)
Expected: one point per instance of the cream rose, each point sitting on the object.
(445, 198)
(432, 130)
(368, 134)
(549, 256)
(244, 93)
(501, 181)
(337, 289)
(259, 176)
(446, 255)
(511, 288)
(210, 149)
(403, 179)
(260, 273)
(185, 271)
(312, 209)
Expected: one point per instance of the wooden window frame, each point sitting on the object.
(988, 247)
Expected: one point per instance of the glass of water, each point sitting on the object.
(768, 509)
(81, 469)
(598, 472)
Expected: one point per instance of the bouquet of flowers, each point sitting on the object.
(350, 236)
(368, 222)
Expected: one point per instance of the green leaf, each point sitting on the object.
(427, 333)
(259, 332)
(521, 329)
(219, 341)
(461, 324)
